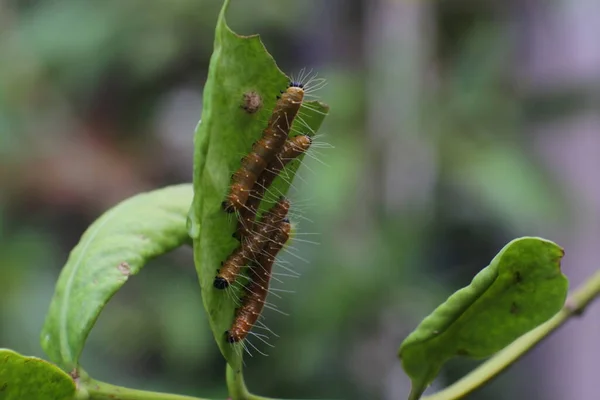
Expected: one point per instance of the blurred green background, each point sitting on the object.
(454, 130)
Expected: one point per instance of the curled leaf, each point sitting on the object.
(521, 288)
(116, 246)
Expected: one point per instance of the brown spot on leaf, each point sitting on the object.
(462, 352)
(124, 268)
(514, 309)
(252, 102)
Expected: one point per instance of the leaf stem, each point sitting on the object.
(105, 391)
(574, 306)
(237, 386)
(415, 393)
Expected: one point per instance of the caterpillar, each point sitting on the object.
(252, 245)
(292, 149)
(265, 149)
(258, 287)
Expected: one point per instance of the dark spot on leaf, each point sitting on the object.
(3, 387)
(124, 268)
(514, 309)
(462, 352)
(74, 374)
(517, 276)
(252, 102)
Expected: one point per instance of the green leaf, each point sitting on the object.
(521, 288)
(225, 134)
(113, 248)
(32, 378)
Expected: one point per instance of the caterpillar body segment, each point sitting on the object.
(258, 287)
(251, 247)
(265, 149)
(292, 149)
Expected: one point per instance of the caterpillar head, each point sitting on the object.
(220, 283)
(230, 337)
(227, 207)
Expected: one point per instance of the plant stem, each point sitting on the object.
(574, 306)
(235, 384)
(237, 387)
(415, 393)
(105, 391)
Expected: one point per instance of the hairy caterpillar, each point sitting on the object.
(257, 289)
(265, 149)
(252, 245)
(292, 149)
